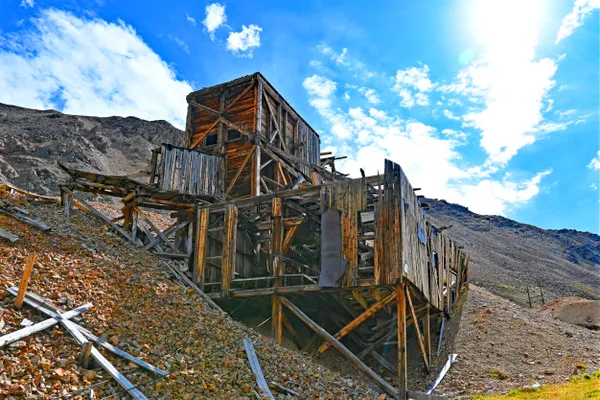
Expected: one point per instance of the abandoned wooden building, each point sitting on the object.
(260, 213)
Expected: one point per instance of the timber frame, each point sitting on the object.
(256, 230)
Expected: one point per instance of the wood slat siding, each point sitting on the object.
(189, 171)
(296, 136)
(398, 250)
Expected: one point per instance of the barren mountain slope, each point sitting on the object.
(32, 141)
(507, 256)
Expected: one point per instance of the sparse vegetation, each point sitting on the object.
(582, 387)
(585, 288)
(496, 373)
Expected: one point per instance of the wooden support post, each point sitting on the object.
(359, 320)
(255, 190)
(200, 243)
(427, 332)
(29, 261)
(289, 238)
(277, 265)
(66, 201)
(402, 360)
(86, 351)
(341, 348)
(229, 249)
(416, 324)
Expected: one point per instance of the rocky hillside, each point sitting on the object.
(32, 141)
(507, 256)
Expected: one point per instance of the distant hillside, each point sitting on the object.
(32, 141)
(508, 256)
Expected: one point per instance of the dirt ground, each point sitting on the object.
(502, 346)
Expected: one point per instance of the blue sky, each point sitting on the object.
(490, 104)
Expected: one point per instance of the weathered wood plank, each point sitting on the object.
(416, 325)
(40, 326)
(29, 261)
(200, 250)
(255, 366)
(359, 320)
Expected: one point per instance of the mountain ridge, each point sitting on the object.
(507, 256)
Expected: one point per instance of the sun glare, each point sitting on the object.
(506, 25)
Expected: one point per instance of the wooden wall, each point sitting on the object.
(189, 171)
(406, 242)
(244, 108)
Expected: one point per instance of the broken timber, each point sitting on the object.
(255, 366)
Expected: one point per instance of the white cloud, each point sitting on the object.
(191, 20)
(594, 186)
(369, 137)
(507, 84)
(244, 42)
(90, 67)
(448, 114)
(319, 86)
(27, 3)
(412, 84)
(575, 18)
(180, 43)
(370, 95)
(215, 17)
(346, 96)
(595, 163)
(339, 58)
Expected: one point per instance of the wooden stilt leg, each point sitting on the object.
(201, 230)
(427, 333)
(402, 365)
(419, 335)
(276, 319)
(25, 280)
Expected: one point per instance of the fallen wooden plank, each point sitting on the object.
(40, 326)
(255, 366)
(7, 235)
(25, 279)
(103, 361)
(51, 311)
(451, 359)
(340, 347)
(37, 224)
(199, 292)
(103, 217)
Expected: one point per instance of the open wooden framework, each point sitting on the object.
(259, 229)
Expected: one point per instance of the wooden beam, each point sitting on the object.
(156, 230)
(200, 250)
(341, 348)
(427, 332)
(416, 325)
(104, 218)
(359, 320)
(229, 249)
(402, 359)
(255, 366)
(255, 184)
(29, 261)
(40, 326)
(7, 235)
(37, 224)
(289, 238)
(84, 357)
(277, 265)
(167, 232)
(239, 172)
